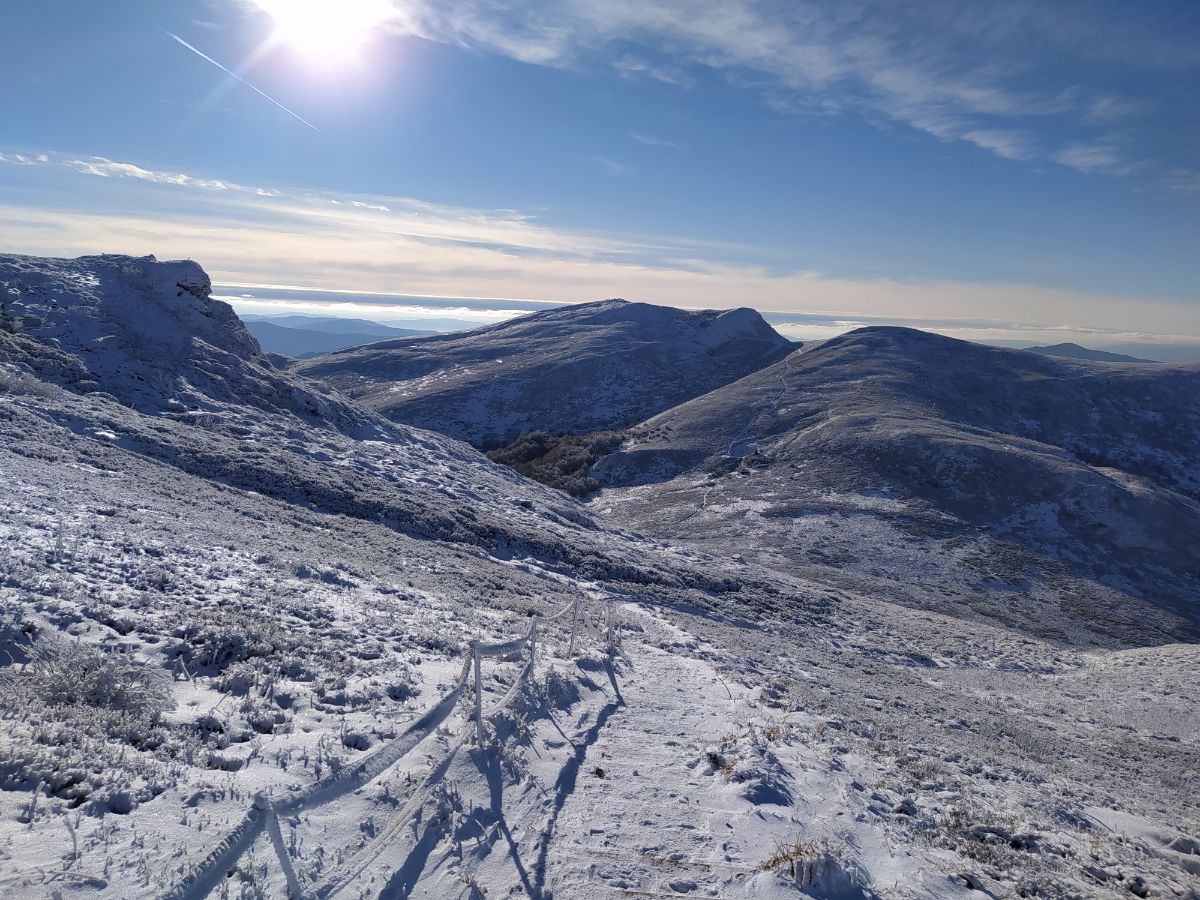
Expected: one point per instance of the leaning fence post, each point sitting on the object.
(532, 645)
(478, 695)
(574, 625)
(609, 616)
(294, 891)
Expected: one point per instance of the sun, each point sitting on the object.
(326, 31)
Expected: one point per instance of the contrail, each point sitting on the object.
(208, 58)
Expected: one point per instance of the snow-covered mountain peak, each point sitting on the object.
(573, 369)
(726, 323)
(1069, 466)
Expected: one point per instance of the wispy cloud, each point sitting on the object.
(106, 168)
(1095, 158)
(1009, 144)
(1107, 108)
(404, 218)
(23, 159)
(993, 78)
(1184, 181)
(614, 169)
(631, 67)
(651, 141)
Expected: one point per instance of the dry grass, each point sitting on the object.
(787, 855)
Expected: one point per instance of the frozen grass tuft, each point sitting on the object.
(69, 673)
(15, 383)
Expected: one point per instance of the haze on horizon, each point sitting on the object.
(1026, 173)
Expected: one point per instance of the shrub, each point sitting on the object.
(16, 383)
(71, 673)
(560, 461)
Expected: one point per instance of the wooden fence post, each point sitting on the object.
(295, 892)
(574, 626)
(478, 695)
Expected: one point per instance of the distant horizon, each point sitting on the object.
(795, 326)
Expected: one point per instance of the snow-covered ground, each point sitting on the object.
(235, 610)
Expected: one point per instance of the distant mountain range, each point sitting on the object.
(1074, 351)
(573, 369)
(331, 324)
(303, 337)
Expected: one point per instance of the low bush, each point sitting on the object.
(70, 673)
(561, 461)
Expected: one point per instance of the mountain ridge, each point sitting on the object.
(576, 368)
(1070, 467)
(1070, 350)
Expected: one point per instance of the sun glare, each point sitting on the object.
(326, 30)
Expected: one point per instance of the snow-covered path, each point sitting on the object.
(631, 816)
(670, 781)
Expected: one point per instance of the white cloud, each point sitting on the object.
(1095, 158)
(106, 168)
(631, 67)
(651, 141)
(412, 218)
(994, 77)
(614, 169)
(1009, 144)
(23, 159)
(1184, 181)
(1108, 108)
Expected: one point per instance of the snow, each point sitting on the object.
(230, 596)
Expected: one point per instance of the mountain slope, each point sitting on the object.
(134, 353)
(1073, 484)
(569, 370)
(225, 590)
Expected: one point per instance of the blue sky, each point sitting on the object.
(1028, 170)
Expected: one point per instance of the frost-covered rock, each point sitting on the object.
(149, 334)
